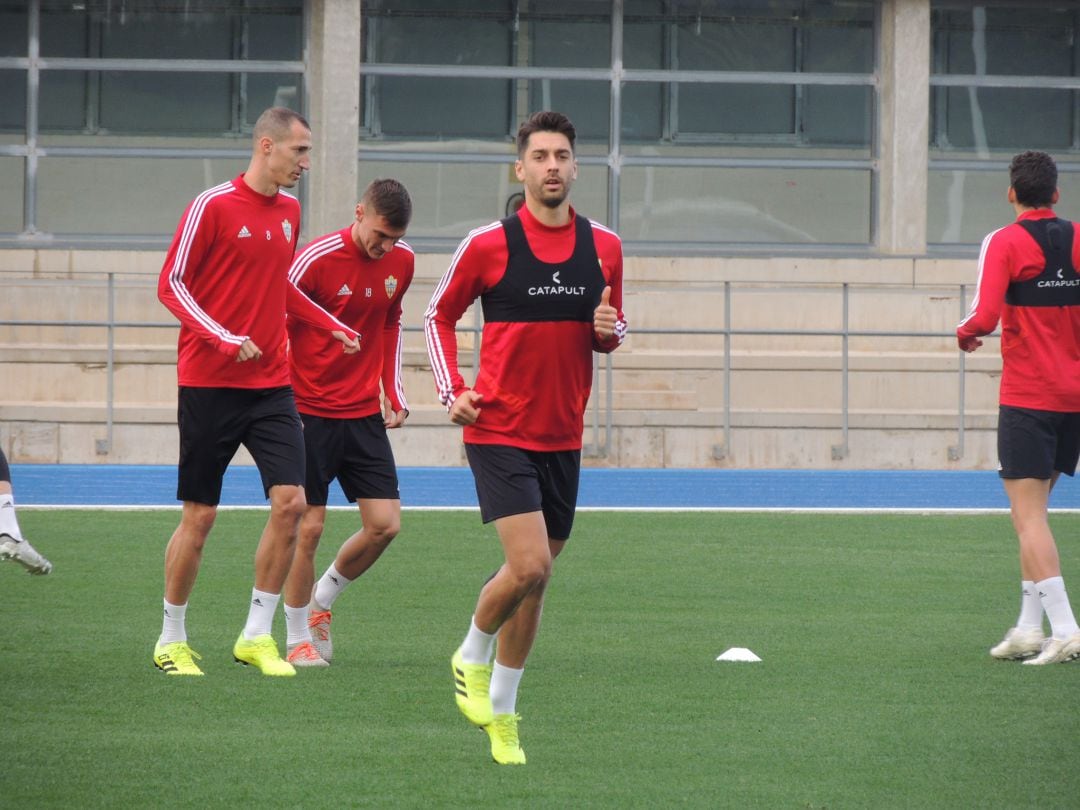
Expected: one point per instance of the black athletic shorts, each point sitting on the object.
(1036, 444)
(214, 422)
(354, 451)
(512, 481)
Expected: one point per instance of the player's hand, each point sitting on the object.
(348, 345)
(248, 351)
(393, 419)
(464, 410)
(969, 343)
(605, 316)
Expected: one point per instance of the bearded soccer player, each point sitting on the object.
(347, 404)
(550, 284)
(226, 280)
(1028, 280)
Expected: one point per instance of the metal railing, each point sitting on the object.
(845, 333)
(600, 413)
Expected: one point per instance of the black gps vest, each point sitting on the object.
(1058, 285)
(532, 290)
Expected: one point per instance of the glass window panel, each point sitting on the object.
(736, 109)
(64, 33)
(570, 34)
(62, 100)
(839, 116)
(274, 31)
(154, 35)
(964, 206)
(644, 48)
(13, 32)
(1028, 40)
(421, 107)
(262, 90)
(1008, 118)
(439, 32)
(144, 195)
(585, 103)
(13, 110)
(778, 206)
(450, 199)
(838, 39)
(11, 201)
(166, 102)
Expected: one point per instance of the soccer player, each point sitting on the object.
(360, 275)
(550, 284)
(225, 278)
(13, 546)
(1028, 279)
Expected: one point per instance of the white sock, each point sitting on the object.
(296, 625)
(504, 688)
(173, 625)
(1031, 610)
(261, 613)
(8, 523)
(1056, 604)
(329, 588)
(478, 646)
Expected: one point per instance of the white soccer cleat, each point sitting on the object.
(319, 624)
(1058, 650)
(1019, 644)
(24, 554)
(304, 654)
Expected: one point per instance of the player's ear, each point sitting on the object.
(519, 171)
(1056, 197)
(1011, 196)
(359, 212)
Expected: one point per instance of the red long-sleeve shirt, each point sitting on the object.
(366, 294)
(535, 375)
(1040, 345)
(225, 278)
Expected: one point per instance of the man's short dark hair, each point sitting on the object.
(388, 199)
(276, 122)
(545, 121)
(1033, 176)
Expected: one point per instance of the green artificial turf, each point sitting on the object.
(874, 689)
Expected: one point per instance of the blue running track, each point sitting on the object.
(452, 487)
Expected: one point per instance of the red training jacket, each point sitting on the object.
(225, 278)
(366, 294)
(1040, 346)
(535, 375)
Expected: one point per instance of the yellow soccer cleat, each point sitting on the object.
(176, 658)
(261, 652)
(505, 747)
(471, 684)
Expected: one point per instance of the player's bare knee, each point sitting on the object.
(196, 521)
(288, 503)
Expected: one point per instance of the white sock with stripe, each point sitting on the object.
(261, 613)
(478, 646)
(1055, 602)
(504, 688)
(173, 624)
(1031, 609)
